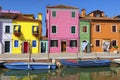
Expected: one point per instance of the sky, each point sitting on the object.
(110, 7)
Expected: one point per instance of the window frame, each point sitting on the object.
(52, 44)
(34, 43)
(71, 45)
(16, 43)
(72, 31)
(53, 13)
(98, 44)
(7, 31)
(115, 28)
(73, 14)
(55, 29)
(113, 43)
(86, 30)
(99, 28)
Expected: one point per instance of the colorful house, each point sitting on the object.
(5, 33)
(63, 29)
(84, 36)
(27, 32)
(105, 32)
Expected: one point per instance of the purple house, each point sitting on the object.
(62, 24)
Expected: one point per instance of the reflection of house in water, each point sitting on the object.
(59, 76)
(109, 75)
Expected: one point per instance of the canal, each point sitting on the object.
(99, 73)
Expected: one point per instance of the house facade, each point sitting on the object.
(5, 34)
(26, 35)
(105, 32)
(85, 36)
(62, 29)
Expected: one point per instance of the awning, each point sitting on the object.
(84, 44)
(106, 44)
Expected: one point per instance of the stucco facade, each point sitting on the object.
(5, 35)
(61, 20)
(85, 36)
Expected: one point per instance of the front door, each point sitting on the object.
(43, 47)
(7, 47)
(25, 47)
(63, 46)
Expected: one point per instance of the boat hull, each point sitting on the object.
(86, 63)
(29, 66)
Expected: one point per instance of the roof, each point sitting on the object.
(16, 16)
(98, 18)
(96, 11)
(62, 7)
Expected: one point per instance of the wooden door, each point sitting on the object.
(63, 46)
(25, 47)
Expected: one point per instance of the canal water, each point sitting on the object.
(99, 73)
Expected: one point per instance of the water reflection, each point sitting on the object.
(99, 73)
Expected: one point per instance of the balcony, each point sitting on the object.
(17, 33)
(35, 33)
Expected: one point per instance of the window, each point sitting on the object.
(7, 29)
(73, 14)
(97, 43)
(53, 13)
(53, 29)
(73, 29)
(73, 43)
(54, 43)
(16, 28)
(34, 43)
(16, 43)
(34, 29)
(84, 29)
(114, 43)
(97, 28)
(114, 29)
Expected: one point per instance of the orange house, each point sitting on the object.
(105, 32)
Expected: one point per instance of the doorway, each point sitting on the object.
(25, 47)
(7, 47)
(63, 46)
(43, 47)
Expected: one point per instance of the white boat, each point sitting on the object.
(116, 61)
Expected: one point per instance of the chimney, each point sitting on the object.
(83, 13)
(40, 16)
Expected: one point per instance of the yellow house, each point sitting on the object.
(26, 35)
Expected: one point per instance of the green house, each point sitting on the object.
(84, 36)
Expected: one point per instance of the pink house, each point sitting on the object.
(62, 29)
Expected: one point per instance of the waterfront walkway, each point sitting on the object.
(43, 56)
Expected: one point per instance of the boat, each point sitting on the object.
(29, 65)
(116, 61)
(85, 63)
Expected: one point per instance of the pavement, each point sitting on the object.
(43, 56)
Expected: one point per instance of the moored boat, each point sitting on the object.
(85, 63)
(116, 61)
(29, 66)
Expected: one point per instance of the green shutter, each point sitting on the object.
(73, 29)
(53, 13)
(73, 14)
(53, 29)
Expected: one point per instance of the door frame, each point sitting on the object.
(9, 47)
(27, 47)
(66, 45)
